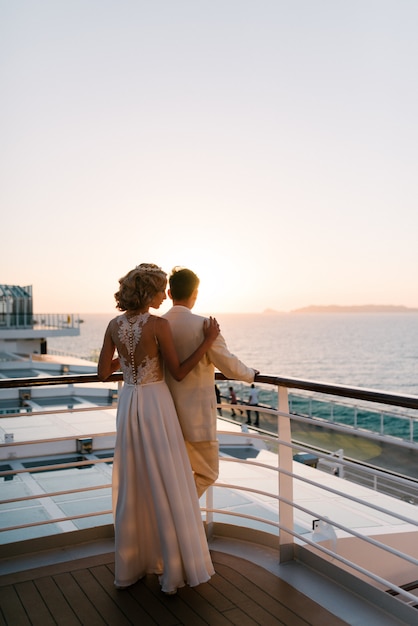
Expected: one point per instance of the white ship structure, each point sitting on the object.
(339, 534)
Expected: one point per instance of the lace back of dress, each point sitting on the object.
(138, 366)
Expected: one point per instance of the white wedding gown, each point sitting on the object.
(158, 525)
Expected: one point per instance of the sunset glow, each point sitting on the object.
(269, 147)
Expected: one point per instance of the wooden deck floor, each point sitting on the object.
(82, 592)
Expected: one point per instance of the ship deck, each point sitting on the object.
(68, 581)
(66, 575)
(81, 592)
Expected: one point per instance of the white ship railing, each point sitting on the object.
(12, 321)
(277, 507)
(375, 418)
(56, 321)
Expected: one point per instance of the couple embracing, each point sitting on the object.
(166, 451)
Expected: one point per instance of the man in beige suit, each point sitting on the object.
(194, 396)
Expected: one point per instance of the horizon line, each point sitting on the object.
(308, 308)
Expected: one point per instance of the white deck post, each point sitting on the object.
(285, 459)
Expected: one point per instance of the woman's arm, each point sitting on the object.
(180, 370)
(107, 363)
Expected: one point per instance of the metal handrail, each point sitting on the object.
(356, 393)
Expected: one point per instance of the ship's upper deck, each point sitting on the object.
(340, 543)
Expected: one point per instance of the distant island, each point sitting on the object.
(365, 308)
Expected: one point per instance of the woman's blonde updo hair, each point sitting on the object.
(139, 286)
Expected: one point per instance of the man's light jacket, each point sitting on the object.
(194, 396)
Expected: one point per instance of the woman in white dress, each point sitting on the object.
(158, 525)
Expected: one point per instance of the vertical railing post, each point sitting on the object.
(285, 459)
(340, 467)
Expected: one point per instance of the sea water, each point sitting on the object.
(378, 351)
(369, 350)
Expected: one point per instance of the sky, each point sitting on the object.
(269, 145)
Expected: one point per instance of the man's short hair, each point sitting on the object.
(182, 283)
